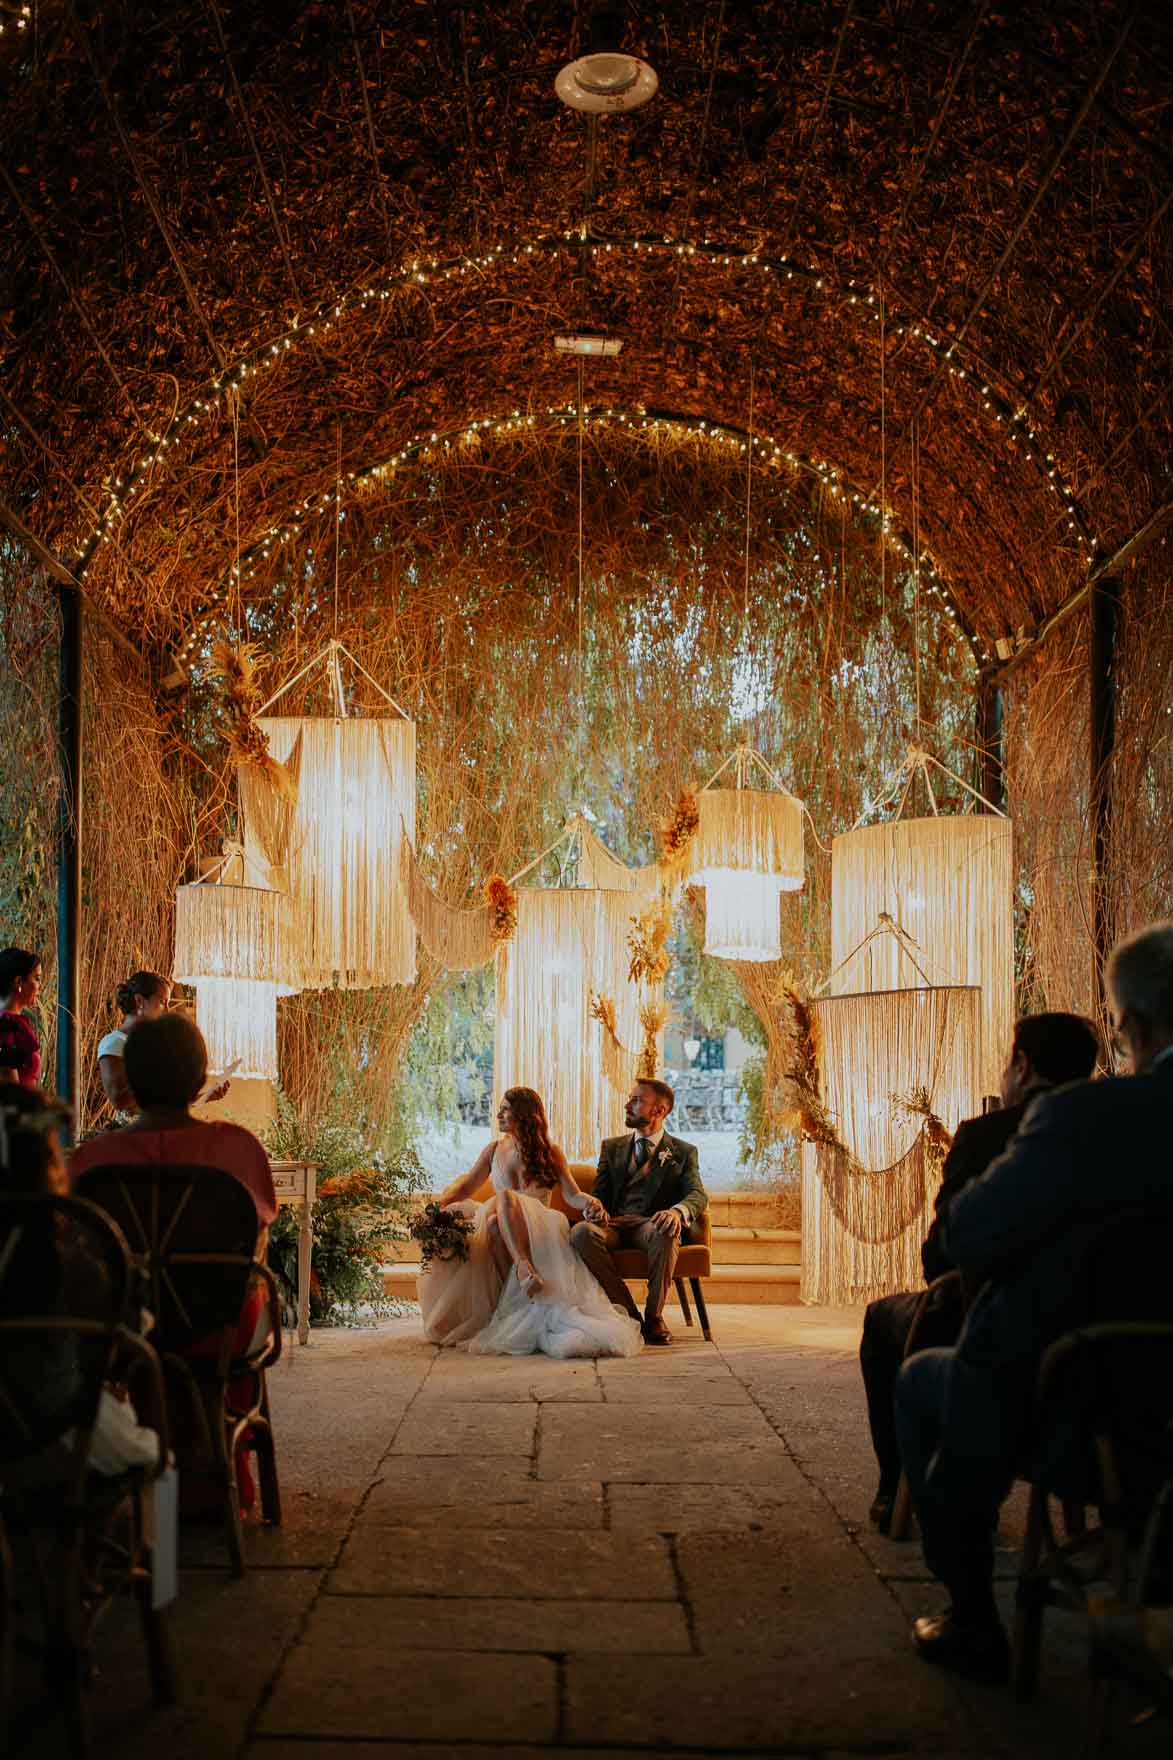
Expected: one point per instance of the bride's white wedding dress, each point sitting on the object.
(466, 1303)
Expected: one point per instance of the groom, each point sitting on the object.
(647, 1192)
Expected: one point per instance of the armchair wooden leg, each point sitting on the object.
(682, 1295)
(698, 1296)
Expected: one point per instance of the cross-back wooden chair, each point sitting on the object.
(65, 1290)
(192, 1232)
(1103, 1436)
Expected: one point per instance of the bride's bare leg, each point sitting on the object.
(500, 1252)
(515, 1232)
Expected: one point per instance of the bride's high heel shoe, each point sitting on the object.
(530, 1282)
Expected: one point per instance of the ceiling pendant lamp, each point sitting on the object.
(748, 851)
(355, 805)
(232, 945)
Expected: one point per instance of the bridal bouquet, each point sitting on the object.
(442, 1234)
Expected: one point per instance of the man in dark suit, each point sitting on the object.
(1047, 1050)
(647, 1192)
(963, 1415)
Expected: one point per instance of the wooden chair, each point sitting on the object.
(1103, 1424)
(695, 1259)
(193, 1232)
(87, 1532)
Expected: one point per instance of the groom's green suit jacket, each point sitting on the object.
(675, 1177)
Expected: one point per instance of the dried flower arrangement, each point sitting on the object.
(647, 940)
(502, 902)
(679, 829)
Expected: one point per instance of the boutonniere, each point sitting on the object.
(664, 1155)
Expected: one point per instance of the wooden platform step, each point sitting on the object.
(729, 1283)
(756, 1246)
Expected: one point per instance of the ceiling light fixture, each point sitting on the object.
(588, 344)
(606, 81)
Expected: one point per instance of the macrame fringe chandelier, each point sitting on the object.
(233, 945)
(894, 1065)
(354, 807)
(747, 851)
(948, 881)
(571, 947)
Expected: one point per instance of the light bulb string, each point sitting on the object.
(915, 440)
(337, 526)
(236, 501)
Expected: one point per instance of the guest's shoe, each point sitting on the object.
(655, 1331)
(979, 1651)
(531, 1283)
(880, 1513)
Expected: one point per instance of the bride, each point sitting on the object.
(522, 1288)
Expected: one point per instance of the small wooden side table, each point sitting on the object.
(296, 1183)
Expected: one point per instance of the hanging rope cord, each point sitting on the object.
(916, 644)
(234, 394)
(748, 505)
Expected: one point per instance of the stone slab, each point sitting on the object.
(565, 1566)
(228, 1636)
(504, 1379)
(451, 1478)
(456, 1427)
(686, 1509)
(535, 1625)
(341, 1681)
(623, 1443)
(749, 1706)
(520, 1503)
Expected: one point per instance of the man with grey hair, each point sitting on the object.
(963, 1414)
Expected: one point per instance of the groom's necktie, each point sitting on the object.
(642, 1148)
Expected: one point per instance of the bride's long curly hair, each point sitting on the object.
(533, 1136)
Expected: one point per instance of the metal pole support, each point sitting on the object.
(69, 738)
(1102, 657)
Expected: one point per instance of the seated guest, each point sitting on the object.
(20, 1049)
(963, 1415)
(52, 1273)
(166, 1063)
(1047, 1050)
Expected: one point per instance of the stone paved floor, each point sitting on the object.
(516, 1556)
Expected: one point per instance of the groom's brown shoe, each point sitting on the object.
(655, 1331)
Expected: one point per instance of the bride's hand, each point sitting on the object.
(594, 1212)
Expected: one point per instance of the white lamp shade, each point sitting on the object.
(355, 800)
(232, 932)
(751, 831)
(238, 1018)
(742, 914)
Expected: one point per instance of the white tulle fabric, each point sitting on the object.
(467, 1303)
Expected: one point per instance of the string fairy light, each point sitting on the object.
(426, 447)
(1020, 435)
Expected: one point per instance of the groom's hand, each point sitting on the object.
(594, 1212)
(668, 1222)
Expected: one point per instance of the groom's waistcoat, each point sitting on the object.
(672, 1177)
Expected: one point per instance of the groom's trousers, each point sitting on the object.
(594, 1246)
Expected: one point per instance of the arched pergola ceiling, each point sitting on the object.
(910, 223)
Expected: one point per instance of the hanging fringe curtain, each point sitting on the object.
(887, 1058)
(569, 943)
(268, 802)
(949, 883)
(461, 940)
(603, 870)
(355, 803)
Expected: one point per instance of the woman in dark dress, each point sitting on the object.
(20, 1049)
